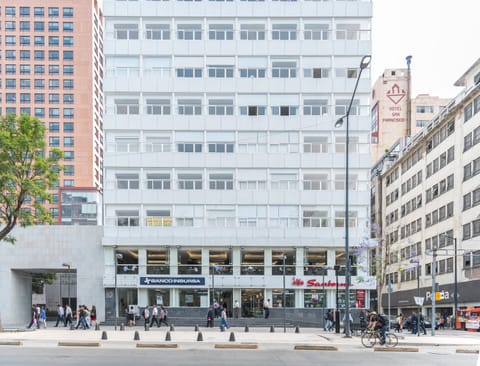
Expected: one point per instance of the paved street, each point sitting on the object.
(200, 357)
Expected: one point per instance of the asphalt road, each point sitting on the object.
(13, 356)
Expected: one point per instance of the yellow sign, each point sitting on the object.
(439, 296)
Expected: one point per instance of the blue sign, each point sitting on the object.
(172, 281)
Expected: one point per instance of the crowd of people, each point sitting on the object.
(84, 317)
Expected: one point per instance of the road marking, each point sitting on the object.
(307, 347)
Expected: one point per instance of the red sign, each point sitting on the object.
(314, 283)
(360, 298)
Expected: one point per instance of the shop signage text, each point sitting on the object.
(439, 295)
(172, 281)
(314, 283)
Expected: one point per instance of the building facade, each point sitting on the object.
(427, 193)
(52, 68)
(224, 174)
(395, 113)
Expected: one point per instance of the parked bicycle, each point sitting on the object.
(371, 336)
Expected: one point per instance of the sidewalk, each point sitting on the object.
(187, 337)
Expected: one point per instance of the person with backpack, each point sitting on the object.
(163, 316)
(379, 322)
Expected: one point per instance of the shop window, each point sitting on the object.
(277, 263)
(189, 262)
(252, 262)
(126, 261)
(158, 263)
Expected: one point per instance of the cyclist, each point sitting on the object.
(378, 322)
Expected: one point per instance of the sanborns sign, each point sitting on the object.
(172, 281)
(312, 282)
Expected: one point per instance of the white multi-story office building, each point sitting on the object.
(222, 163)
(426, 200)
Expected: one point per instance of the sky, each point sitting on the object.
(442, 36)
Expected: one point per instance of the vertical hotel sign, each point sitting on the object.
(395, 112)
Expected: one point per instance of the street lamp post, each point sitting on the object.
(417, 261)
(337, 312)
(68, 283)
(283, 298)
(455, 279)
(363, 65)
(116, 257)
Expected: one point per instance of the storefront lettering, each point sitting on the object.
(439, 295)
(172, 281)
(314, 283)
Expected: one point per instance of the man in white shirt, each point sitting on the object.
(266, 308)
(60, 314)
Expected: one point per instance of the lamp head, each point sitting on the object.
(365, 62)
(66, 265)
(339, 122)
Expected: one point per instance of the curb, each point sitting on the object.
(79, 344)
(395, 349)
(236, 346)
(307, 347)
(11, 343)
(157, 345)
(467, 351)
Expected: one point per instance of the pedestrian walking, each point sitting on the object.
(43, 317)
(154, 318)
(266, 308)
(223, 319)
(422, 324)
(216, 308)
(33, 318)
(60, 315)
(93, 316)
(210, 316)
(146, 316)
(68, 315)
(163, 316)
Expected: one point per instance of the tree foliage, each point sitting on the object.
(40, 279)
(26, 173)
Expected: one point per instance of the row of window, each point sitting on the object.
(412, 182)
(24, 26)
(471, 169)
(38, 11)
(52, 41)
(68, 141)
(367, 1)
(411, 205)
(440, 188)
(471, 109)
(39, 98)
(226, 181)
(440, 162)
(226, 107)
(245, 142)
(471, 139)
(39, 84)
(411, 228)
(283, 69)
(439, 215)
(229, 216)
(251, 32)
(471, 199)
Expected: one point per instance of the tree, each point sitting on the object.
(26, 173)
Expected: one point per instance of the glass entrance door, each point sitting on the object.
(252, 303)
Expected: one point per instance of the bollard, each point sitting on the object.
(104, 335)
(136, 337)
(272, 329)
(147, 328)
(72, 327)
(246, 329)
(196, 328)
(232, 337)
(222, 328)
(122, 326)
(172, 328)
(168, 337)
(97, 326)
(199, 337)
(297, 329)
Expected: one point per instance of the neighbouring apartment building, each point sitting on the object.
(223, 170)
(395, 113)
(425, 198)
(52, 68)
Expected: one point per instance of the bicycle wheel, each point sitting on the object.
(369, 339)
(391, 340)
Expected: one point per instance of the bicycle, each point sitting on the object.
(370, 337)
